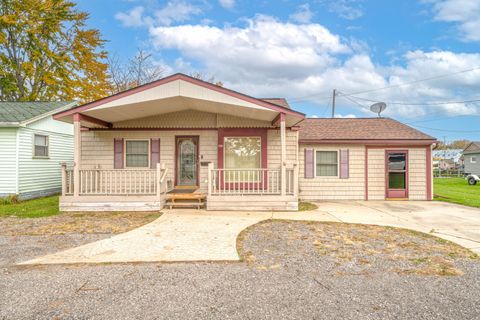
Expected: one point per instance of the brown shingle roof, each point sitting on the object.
(358, 129)
(473, 147)
(282, 102)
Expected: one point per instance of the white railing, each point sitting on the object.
(104, 182)
(244, 181)
(118, 182)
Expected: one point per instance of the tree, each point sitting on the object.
(48, 53)
(459, 144)
(137, 71)
(201, 76)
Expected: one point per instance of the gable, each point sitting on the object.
(473, 147)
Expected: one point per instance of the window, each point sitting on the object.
(326, 163)
(136, 153)
(40, 148)
(242, 153)
(473, 159)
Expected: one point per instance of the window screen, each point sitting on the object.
(327, 163)
(136, 154)
(40, 146)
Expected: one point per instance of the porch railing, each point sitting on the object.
(103, 182)
(250, 181)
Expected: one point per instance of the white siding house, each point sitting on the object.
(26, 170)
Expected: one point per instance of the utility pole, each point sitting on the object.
(333, 102)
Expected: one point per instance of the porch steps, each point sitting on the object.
(186, 200)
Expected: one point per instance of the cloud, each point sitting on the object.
(346, 9)
(464, 13)
(305, 62)
(227, 4)
(303, 14)
(346, 116)
(173, 11)
(133, 18)
(176, 11)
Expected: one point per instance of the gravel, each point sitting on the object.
(286, 274)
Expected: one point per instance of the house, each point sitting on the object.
(180, 141)
(471, 158)
(32, 145)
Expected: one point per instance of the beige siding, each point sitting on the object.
(376, 174)
(97, 148)
(228, 121)
(334, 188)
(417, 169)
(417, 174)
(274, 148)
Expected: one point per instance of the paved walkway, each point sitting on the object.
(191, 235)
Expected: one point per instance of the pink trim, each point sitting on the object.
(279, 118)
(171, 78)
(94, 120)
(429, 172)
(392, 194)
(370, 142)
(234, 132)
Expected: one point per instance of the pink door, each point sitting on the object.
(396, 174)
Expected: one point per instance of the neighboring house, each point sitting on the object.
(32, 145)
(444, 164)
(180, 140)
(471, 157)
(449, 154)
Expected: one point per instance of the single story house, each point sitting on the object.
(32, 145)
(471, 158)
(180, 141)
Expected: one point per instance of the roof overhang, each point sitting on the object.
(177, 93)
(370, 142)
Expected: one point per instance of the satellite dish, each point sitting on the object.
(378, 107)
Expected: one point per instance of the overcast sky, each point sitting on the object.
(302, 50)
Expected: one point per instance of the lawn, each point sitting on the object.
(42, 207)
(456, 190)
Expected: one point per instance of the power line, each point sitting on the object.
(416, 81)
(443, 130)
(417, 104)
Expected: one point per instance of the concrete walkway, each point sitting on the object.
(198, 235)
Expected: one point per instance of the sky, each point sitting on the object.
(420, 57)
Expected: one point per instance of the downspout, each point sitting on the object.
(17, 161)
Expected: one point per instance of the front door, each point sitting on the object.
(397, 174)
(187, 161)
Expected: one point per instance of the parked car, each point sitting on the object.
(473, 179)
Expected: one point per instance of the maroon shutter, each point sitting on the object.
(154, 153)
(118, 153)
(344, 164)
(309, 165)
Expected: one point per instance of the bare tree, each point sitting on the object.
(203, 77)
(137, 71)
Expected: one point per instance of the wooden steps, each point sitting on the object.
(186, 200)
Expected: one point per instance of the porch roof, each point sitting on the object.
(177, 93)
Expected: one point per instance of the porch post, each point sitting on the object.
(77, 146)
(64, 178)
(283, 157)
(159, 185)
(209, 177)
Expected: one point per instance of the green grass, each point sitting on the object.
(307, 206)
(42, 207)
(456, 190)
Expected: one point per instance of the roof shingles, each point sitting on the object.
(358, 129)
(16, 112)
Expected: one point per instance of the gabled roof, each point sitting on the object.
(16, 113)
(473, 147)
(357, 129)
(282, 102)
(277, 106)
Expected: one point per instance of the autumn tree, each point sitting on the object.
(48, 53)
(201, 76)
(138, 70)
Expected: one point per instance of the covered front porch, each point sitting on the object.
(230, 150)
